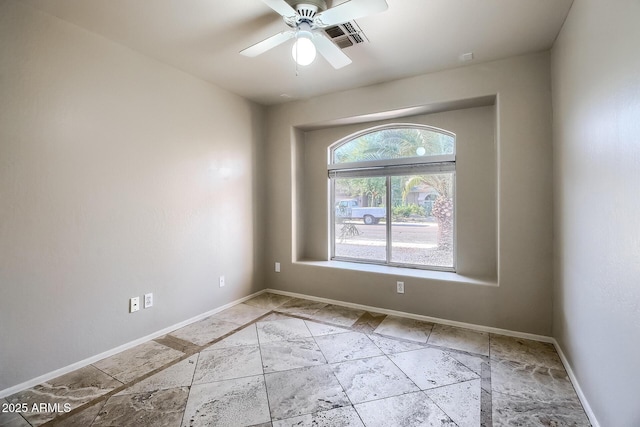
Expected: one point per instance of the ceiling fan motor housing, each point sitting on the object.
(321, 5)
(306, 10)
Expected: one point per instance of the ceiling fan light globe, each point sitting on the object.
(303, 51)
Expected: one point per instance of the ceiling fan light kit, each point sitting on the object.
(303, 50)
(307, 19)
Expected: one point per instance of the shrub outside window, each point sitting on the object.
(393, 197)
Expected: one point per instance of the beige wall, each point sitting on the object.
(522, 301)
(596, 105)
(118, 176)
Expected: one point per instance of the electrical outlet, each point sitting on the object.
(400, 287)
(134, 304)
(277, 267)
(222, 281)
(148, 300)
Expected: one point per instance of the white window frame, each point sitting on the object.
(389, 168)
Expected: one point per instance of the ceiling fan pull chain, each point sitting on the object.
(297, 47)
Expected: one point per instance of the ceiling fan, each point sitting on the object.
(307, 18)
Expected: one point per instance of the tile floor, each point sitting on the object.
(280, 361)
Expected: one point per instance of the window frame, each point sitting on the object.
(389, 168)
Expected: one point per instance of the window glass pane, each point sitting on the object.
(422, 219)
(359, 218)
(393, 144)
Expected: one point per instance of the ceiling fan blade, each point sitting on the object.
(349, 11)
(281, 6)
(266, 44)
(330, 51)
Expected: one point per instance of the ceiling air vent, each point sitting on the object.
(346, 35)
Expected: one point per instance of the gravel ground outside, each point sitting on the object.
(414, 242)
(419, 256)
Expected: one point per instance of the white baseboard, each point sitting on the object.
(82, 363)
(576, 386)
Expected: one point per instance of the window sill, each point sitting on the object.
(444, 276)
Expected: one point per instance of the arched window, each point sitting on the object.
(393, 197)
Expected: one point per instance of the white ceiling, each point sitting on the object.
(203, 38)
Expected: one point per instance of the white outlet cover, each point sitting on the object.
(148, 300)
(277, 267)
(400, 287)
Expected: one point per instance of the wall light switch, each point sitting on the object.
(222, 281)
(277, 267)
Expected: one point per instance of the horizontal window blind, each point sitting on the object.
(394, 170)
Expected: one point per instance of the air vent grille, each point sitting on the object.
(346, 35)
(343, 42)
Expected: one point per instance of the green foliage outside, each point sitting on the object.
(394, 144)
(401, 143)
(398, 213)
(373, 189)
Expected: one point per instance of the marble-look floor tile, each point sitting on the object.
(408, 410)
(178, 375)
(485, 408)
(137, 361)
(241, 314)
(393, 345)
(303, 391)
(10, 417)
(460, 401)
(524, 351)
(161, 407)
(347, 346)
(371, 379)
(204, 331)
(237, 402)
(275, 316)
(228, 363)
(83, 418)
(284, 355)
(282, 330)
(177, 344)
(75, 389)
(517, 411)
(410, 329)
(430, 368)
(301, 307)
(470, 361)
(339, 417)
(338, 315)
(531, 382)
(246, 336)
(368, 322)
(268, 300)
(460, 339)
(319, 329)
(522, 383)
